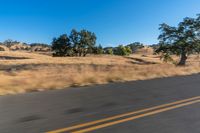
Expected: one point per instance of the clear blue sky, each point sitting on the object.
(114, 21)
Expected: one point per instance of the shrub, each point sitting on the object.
(123, 50)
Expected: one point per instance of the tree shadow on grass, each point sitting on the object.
(139, 61)
(13, 58)
(79, 67)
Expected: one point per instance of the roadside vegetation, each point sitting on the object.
(76, 60)
(82, 43)
(22, 72)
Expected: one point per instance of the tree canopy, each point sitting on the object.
(182, 40)
(78, 43)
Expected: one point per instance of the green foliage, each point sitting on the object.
(197, 50)
(61, 46)
(181, 40)
(2, 49)
(87, 42)
(167, 58)
(39, 44)
(128, 50)
(109, 51)
(123, 50)
(99, 49)
(77, 44)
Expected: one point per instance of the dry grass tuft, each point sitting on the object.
(26, 72)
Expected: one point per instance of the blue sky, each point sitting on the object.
(114, 21)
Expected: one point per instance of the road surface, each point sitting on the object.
(166, 105)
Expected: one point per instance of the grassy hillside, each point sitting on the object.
(26, 72)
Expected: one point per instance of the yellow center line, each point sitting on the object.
(135, 117)
(120, 116)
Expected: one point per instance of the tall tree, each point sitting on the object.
(87, 42)
(79, 43)
(181, 40)
(62, 46)
(75, 41)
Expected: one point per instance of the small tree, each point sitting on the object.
(123, 50)
(98, 49)
(109, 51)
(181, 40)
(128, 50)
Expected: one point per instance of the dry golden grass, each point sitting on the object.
(25, 72)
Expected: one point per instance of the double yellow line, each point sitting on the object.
(117, 119)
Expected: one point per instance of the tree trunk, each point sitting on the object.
(183, 59)
(80, 52)
(85, 53)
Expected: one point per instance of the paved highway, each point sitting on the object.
(167, 105)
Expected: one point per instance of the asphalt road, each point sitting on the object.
(167, 105)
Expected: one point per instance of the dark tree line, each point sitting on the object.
(78, 43)
(81, 43)
(9, 42)
(135, 46)
(39, 44)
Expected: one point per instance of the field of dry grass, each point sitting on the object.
(26, 72)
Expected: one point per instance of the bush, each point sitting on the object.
(109, 51)
(98, 50)
(123, 50)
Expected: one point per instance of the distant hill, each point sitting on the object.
(10, 45)
(146, 50)
(3, 48)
